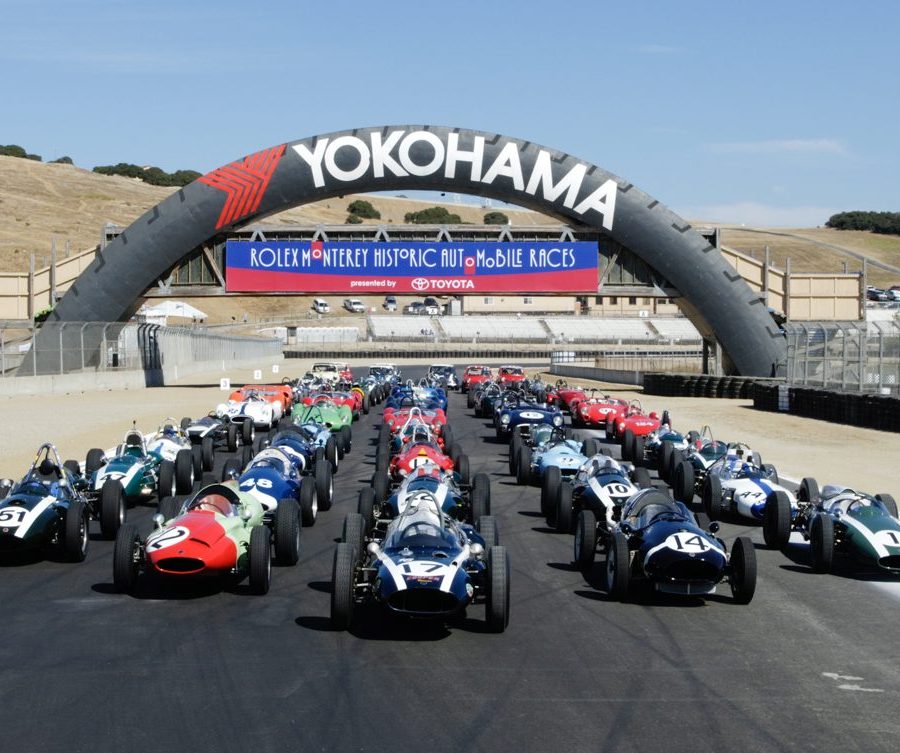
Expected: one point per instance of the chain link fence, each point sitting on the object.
(846, 356)
(70, 347)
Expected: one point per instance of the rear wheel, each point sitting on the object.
(365, 506)
(112, 508)
(169, 507)
(683, 482)
(231, 436)
(515, 443)
(585, 539)
(628, 445)
(184, 471)
(523, 465)
(309, 506)
(231, 469)
(346, 438)
(324, 485)
(185, 422)
(564, 512)
(196, 460)
(246, 455)
(770, 471)
(618, 567)
(343, 574)
(821, 542)
(641, 478)
(637, 450)
(809, 490)
(462, 468)
(487, 527)
(889, 503)
(260, 560)
(248, 433)
(126, 558)
(75, 532)
(743, 570)
(777, 520)
(287, 532)
(550, 488)
(591, 447)
(208, 453)
(663, 460)
(93, 461)
(331, 454)
(481, 496)
(712, 497)
(497, 608)
(354, 532)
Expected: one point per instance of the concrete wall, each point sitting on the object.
(616, 376)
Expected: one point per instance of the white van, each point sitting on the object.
(320, 306)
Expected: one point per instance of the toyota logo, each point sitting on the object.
(419, 283)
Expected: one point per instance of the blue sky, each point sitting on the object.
(769, 113)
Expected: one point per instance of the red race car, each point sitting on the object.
(568, 396)
(510, 375)
(475, 375)
(593, 410)
(397, 418)
(624, 422)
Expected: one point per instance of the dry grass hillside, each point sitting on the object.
(40, 202)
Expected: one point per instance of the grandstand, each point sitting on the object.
(675, 330)
(591, 329)
(403, 327)
(493, 329)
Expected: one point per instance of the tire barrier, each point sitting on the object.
(701, 385)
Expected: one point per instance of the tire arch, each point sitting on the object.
(718, 301)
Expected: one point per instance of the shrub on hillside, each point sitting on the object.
(432, 216)
(496, 218)
(14, 150)
(153, 175)
(364, 210)
(62, 161)
(353, 219)
(886, 223)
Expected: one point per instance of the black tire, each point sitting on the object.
(380, 486)
(641, 478)
(185, 422)
(169, 507)
(470, 399)
(231, 469)
(331, 453)
(712, 497)
(324, 485)
(260, 560)
(618, 567)
(550, 488)
(75, 532)
(487, 527)
(246, 455)
(343, 574)
(889, 502)
(664, 460)
(585, 543)
(683, 482)
(447, 435)
(231, 437)
(771, 471)
(112, 508)
(481, 496)
(309, 506)
(637, 450)
(287, 532)
(72, 467)
(515, 444)
(346, 438)
(365, 506)
(821, 542)
(248, 433)
(208, 453)
(354, 532)
(462, 468)
(93, 461)
(777, 520)
(196, 460)
(497, 607)
(565, 514)
(743, 570)
(523, 465)
(260, 443)
(382, 461)
(185, 471)
(808, 491)
(702, 520)
(627, 444)
(591, 447)
(126, 565)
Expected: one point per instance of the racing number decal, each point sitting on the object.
(888, 538)
(10, 517)
(420, 460)
(688, 542)
(619, 490)
(422, 568)
(250, 483)
(167, 538)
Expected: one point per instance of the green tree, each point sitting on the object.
(62, 161)
(364, 210)
(432, 216)
(496, 218)
(353, 219)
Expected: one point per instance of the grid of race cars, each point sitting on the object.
(423, 543)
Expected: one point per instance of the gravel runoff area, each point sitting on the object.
(832, 453)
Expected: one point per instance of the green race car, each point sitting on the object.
(325, 411)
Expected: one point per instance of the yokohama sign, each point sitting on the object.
(411, 267)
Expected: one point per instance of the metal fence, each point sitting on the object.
(70, 347)
(847, 356)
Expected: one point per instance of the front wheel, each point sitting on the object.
(112, 508)
(126, 558)
(75, 532)
(743, 570)
(618, 567)
(287, 532)
(343, 575)
(260, 560)
(585, 539)
(821, 542)
(324, 485)
(497, 608)
(564, 510)
(777, 520)
(550, 488)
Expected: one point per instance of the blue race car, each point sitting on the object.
(659, 540)
(516, 409)
(534, 448)
(426, 566)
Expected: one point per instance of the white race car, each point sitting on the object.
(739, 483)
(167, 440)
(255, 408)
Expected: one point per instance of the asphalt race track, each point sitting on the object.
(811, 664)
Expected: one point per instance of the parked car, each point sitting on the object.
(320, 306)
(432, 307)
(354, 305)
(416, 307)
(390, 303)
